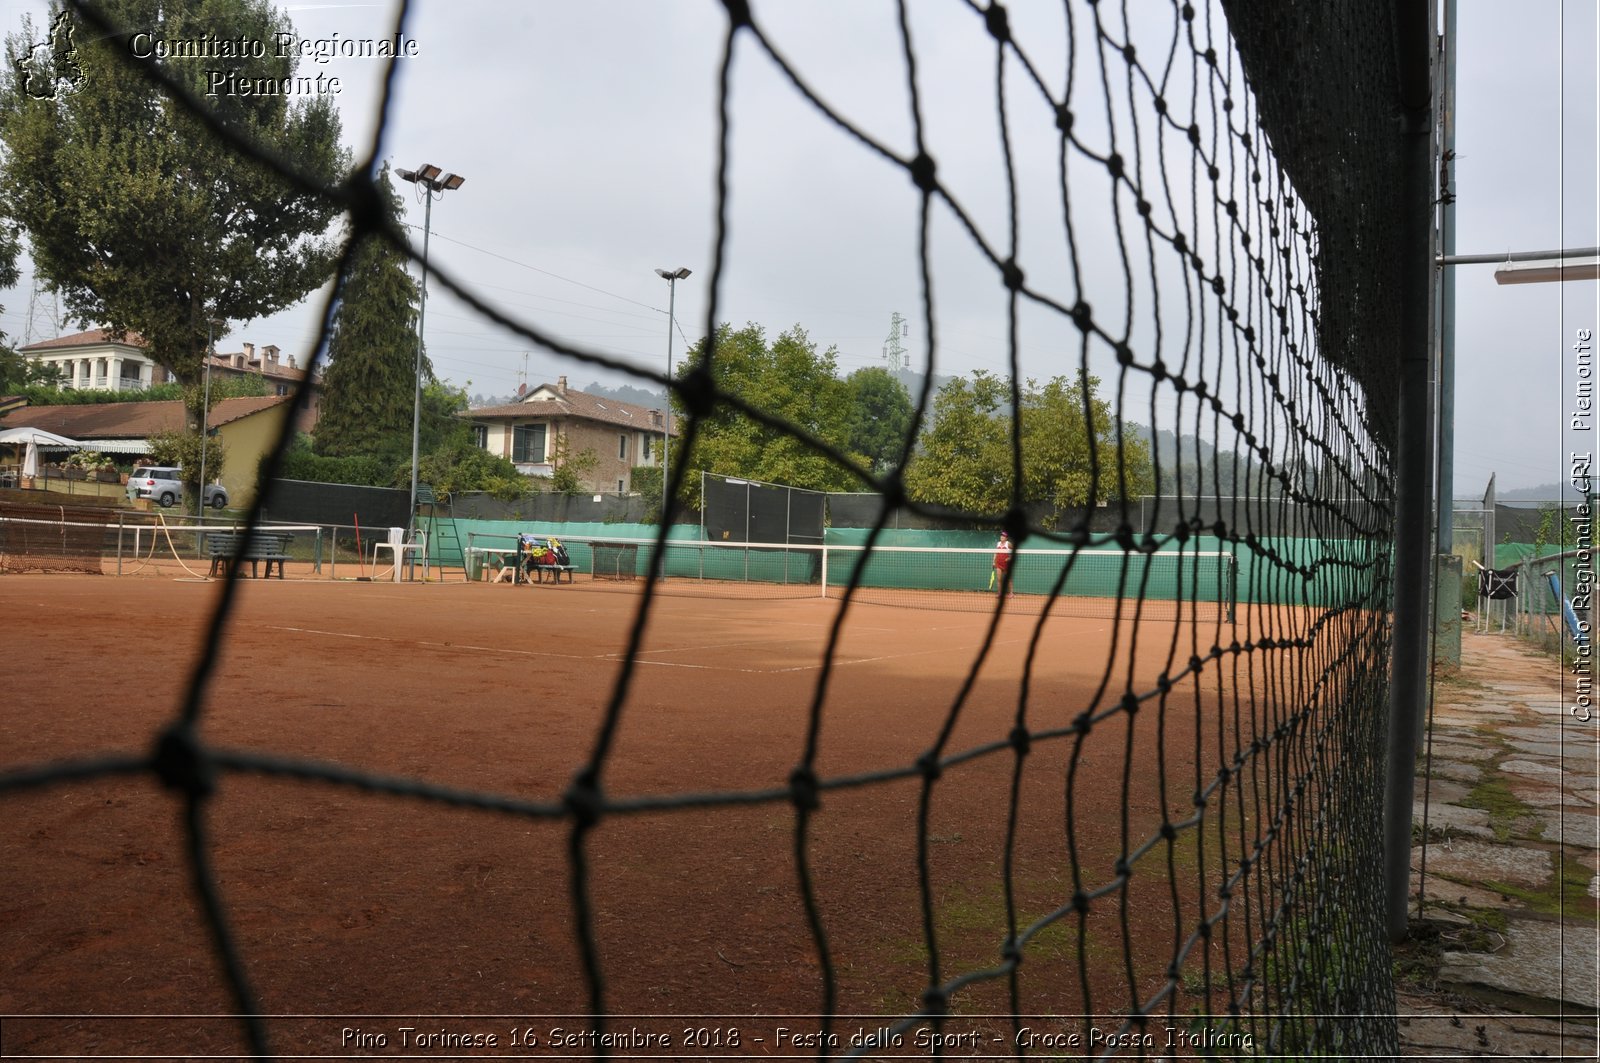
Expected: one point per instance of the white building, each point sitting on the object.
(92, 361)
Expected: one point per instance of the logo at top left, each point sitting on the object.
(50, 70)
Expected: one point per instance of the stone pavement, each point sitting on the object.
(1503, 962)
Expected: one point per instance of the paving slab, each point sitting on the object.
(1445, 819)
(1571, 828)
(1443, 891)
(1455, 750)
(1439, 1034)
(1554, 748)
(1584, 733)
(1544, 794)
(1442, 791)
(1477, 861)
(1540, 959)
(1459, 770)
(1532, 766)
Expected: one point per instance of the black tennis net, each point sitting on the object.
(1228, 892)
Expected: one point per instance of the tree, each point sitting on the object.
(183, 448)
(140, 217)
(442, 432)
(569, 469)
(786, 378)
(23, 376)
(879, 416)
(963, 459)
(462, 466)
(1056, 466)
(368, 389)
(15, 370)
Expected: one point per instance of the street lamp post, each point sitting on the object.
(431, 182)
(672, 277)
(212, 324)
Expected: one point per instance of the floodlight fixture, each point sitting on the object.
(1546, 270)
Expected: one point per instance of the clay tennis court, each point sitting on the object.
(346, 903)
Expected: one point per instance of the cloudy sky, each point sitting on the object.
(587, 135)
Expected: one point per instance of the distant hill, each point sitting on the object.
(649, 399)
(909, 378)
(1542, 493)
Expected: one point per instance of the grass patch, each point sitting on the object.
(1455, 680)
(1504, 807)
(1570, 881)
(1417, 958)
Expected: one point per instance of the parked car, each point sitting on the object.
(164, 484)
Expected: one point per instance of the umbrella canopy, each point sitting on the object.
(30, 461)
(36, 437)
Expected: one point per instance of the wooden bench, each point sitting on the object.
(270, 547)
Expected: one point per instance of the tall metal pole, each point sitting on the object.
(1447, 292)
(672, 277)
(431, 181)
(666, 418)
(205, 417)
(422, 320)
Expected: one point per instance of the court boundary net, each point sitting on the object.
(1174, 584)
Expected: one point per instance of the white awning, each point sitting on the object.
(38, 437)
(116, 446)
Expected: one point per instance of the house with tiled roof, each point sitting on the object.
(121, 430)
(554, 423)
(98, 361)
(94, 361)
(280, 371)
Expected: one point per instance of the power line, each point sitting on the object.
(536, 269)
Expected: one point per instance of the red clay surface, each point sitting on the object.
(350, 908)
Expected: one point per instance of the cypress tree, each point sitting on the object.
(369, 386)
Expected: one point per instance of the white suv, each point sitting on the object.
(164, 483)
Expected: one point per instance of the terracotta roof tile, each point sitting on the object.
(92, 338)
(547, 400)
(130, 420)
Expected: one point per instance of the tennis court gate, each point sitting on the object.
(750, 511)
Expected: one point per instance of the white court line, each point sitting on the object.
(387, 581)
(501, 651)
(505, 650)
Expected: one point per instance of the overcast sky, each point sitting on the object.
(586, 134)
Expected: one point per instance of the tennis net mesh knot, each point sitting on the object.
(181, 763)
(583, 800)
(803, 789)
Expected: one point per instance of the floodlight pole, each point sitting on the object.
(672, 277)
(430, 183)
(416, 399)
(212, 324)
